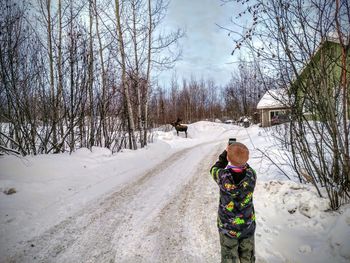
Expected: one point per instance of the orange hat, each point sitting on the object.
(237, 154)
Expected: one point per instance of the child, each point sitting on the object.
(236, 217)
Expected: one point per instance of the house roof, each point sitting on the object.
(275, 98)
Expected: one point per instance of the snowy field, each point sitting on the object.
(159, 204)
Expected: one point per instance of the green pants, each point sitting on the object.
(235, 251)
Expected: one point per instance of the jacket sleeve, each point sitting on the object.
(220, 164)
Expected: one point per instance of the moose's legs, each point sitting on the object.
(178, 130)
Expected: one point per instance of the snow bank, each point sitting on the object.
(295, 225)
(49, 188)
(197, 133)
(341, 233)
(207, 130)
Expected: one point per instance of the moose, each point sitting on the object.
(179, 127)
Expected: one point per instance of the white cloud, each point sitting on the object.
(206, 48)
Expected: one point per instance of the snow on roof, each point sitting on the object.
(276, 98)
(334, 37)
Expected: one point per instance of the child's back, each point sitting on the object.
(236, 216)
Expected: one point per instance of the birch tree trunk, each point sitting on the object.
(59, 68)
(137, 71)
(124, 82)
(91, 79)
(104, 102)
(72, 86)
(52, 82)
(148, 73)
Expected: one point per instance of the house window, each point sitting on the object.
(307, 107)
(275, 113)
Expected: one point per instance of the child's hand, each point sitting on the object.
(223, 156)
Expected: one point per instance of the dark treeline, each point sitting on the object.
(194, 100)
(190, 100)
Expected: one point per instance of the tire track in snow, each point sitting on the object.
(193, 235)
(90, 234)
(143, 245)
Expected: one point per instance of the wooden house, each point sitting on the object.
(317, 86)
(274, 102)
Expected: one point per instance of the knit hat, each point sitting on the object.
(237, 154)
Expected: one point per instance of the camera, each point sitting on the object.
(231, 140)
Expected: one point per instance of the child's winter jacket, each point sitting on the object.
(236, 217)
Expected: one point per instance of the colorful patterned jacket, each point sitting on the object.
(236, 216)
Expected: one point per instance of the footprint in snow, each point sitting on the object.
(267, 230)
(275, 231)
(305, 249)
(291, 225)
(347, 220)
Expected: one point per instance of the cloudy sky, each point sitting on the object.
(206, 48)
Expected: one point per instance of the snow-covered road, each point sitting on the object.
(163, 216)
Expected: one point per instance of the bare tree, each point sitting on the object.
(19, 75)
(243, 91)
(124, 83)
(46, 8)
(69, 71)
(91, 77)
(305, 47)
